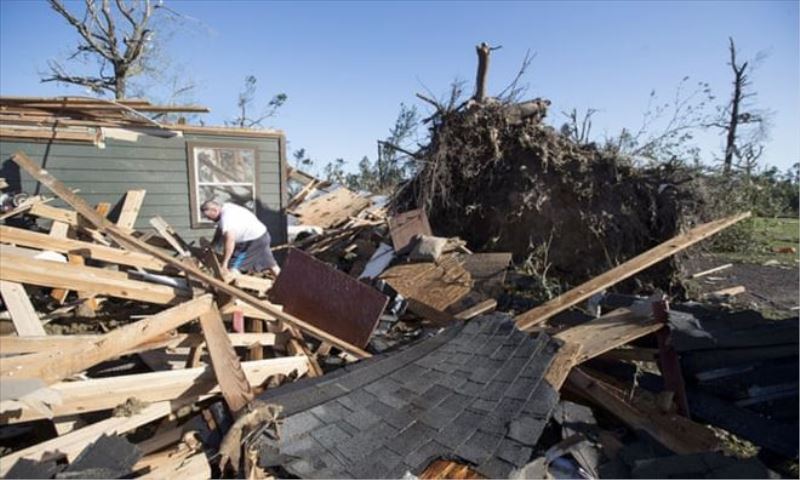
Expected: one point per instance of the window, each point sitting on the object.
(225, 173)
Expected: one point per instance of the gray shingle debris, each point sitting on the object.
(473, 392)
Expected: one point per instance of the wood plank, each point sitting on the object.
(26, 321)
(535, 316)
(711, 270)
(23, 269)
(57, 230)
(608, 332)
(56, 365)
(170, 235)
(235, 387)
(53, 213)
(130, 209)
(40, 343)
(27, 238)
(61, 190)
(437, 285)
(675, 432)
(182, 384)
(71, 444)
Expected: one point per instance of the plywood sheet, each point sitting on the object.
(331, 209)
(437, 285)
(327, 298)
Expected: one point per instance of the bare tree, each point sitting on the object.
(733, 117)
(118, 36)
(578, 129)
(483, 50)
(246, 103)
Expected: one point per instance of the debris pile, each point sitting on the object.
(376, 352)
(495, 175)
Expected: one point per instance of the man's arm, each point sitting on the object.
(230, 244)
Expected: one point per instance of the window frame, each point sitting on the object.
(197, 220)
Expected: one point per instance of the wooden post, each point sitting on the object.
(668, 361)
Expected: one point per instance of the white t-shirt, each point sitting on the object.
(241, 222)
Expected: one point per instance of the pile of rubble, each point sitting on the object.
(376, 353)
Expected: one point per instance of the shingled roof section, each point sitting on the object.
(473, 392)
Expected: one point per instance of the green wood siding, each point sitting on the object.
(158, 165)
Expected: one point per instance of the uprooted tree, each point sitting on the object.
(120, 37)
(496, 175)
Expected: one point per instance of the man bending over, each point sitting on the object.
(246, 240)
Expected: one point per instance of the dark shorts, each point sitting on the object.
(253, 256)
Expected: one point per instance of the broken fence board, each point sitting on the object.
(328, 298)
(23, 269)
(26, 321)
(128, 241)
(56, 365)
(185, 384)
(619, 273)
(27, 238)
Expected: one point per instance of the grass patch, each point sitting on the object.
(759, 239)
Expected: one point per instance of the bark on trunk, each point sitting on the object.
(483, 51)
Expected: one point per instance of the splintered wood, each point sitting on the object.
(437, 285)
(331, 209)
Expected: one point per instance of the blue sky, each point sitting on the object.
(347, 66)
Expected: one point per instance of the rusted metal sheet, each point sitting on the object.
(405, 226)
(327, 298)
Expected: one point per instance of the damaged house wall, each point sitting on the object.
(157, 164)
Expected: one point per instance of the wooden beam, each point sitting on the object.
(608, 332)
(182, 384)
(46, 273)
(26, 321)
(235, 387)
(130, 209)
(27, 238)
(535, 316)
(711, 270)
(128, 241)
(71, 444)
(56, 365)
(40, 343)
(675, 432)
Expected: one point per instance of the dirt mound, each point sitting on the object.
(498, 177)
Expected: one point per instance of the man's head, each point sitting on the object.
(211, 210)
